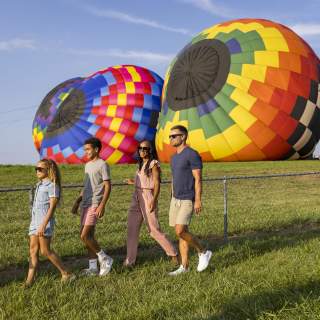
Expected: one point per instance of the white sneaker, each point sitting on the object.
(180, 270)
(204, 259)
(105, 266)
(89, 272)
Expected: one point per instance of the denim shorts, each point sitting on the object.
(34, 226)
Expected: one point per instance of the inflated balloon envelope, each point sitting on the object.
(119, 105)
(246, 90)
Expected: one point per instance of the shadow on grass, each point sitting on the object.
(148, 253)
(270, 302)
(245, 246)
(259, 242)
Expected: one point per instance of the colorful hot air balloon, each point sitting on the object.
(119, 105)
(246, 90)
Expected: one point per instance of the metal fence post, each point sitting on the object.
(225, 209)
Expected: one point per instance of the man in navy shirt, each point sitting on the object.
(186, 167)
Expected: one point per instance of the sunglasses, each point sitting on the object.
(144, 149)
(173, 136)
(40, 169)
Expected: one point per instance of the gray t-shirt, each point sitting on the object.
(182, 165)
(95, 173)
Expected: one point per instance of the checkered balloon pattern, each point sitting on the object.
(119, 105)
(246, 90)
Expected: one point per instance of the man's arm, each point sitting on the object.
(106, 194)
(197, 174)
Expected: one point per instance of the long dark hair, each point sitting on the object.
(152, 156)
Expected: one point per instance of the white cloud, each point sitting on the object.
(128, 54)
(209, 6)
(306, 29)
(17, 43)
(133, 19)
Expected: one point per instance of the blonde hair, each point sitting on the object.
(53, 173)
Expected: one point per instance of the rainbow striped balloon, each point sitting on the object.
(246, 90)
(119, 105)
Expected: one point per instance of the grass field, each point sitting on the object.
(268, 270)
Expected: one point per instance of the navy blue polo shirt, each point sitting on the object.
(182, 165)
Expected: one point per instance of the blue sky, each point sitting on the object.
(43, 43)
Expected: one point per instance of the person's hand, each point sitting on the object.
(152, 205)
(128, 181)
(41, 230)
(197, 207)
(100, 211)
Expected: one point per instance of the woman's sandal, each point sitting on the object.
(68, 278)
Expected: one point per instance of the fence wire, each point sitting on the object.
(244, 196)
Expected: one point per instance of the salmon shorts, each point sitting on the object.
(89, 216)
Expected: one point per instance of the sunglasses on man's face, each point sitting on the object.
(146, 149)
(40, 169)
(173, 136)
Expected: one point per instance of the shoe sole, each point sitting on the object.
(207, 264)
(88, 274)
(177, 274)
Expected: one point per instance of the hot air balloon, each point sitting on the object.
(246, 90)
(119, 105)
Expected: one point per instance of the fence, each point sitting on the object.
(224, 180)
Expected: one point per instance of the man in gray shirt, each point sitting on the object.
(93, 198)
(186, 167)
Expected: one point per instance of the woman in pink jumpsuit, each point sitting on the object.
(144, 205)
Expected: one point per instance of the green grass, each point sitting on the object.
(268, 270)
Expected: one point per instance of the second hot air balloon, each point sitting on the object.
(119, 105)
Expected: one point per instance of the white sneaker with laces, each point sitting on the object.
(89, 272)
(204, 259)
(105, 266)
(180, 270)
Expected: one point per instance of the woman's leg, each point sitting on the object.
(134, 223)
(51, 255)
(34, 259)
(153, 225)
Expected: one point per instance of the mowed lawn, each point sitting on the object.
(268, 270)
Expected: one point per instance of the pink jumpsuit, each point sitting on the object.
(139, 211)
